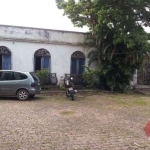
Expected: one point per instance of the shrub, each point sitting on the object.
(43, 76)
(107, 77)
(91, 78)
(62, 87)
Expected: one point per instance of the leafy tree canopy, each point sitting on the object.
(107, 14)
(148, 34)
(116, 30)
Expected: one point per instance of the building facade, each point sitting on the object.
(31, 49)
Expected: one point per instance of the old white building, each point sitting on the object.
(31, 49)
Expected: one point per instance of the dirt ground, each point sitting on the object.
(94, 121)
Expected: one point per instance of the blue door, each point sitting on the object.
(42, 63)
(6, 62)
(73, 66)
(45, 62)
(81, 65)
(77, 65)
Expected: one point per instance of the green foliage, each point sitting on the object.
(91, 78)
(43, 76)
(62, 87)
(133, 102)
(117, 35)
(148, 34)
(117, 78)
(108, 77)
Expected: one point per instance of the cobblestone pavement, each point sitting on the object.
(97, 122)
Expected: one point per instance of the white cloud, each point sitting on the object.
(147, 29)
(35, 13)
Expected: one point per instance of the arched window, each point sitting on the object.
(5, 58)
(77, 62)
(42, 59)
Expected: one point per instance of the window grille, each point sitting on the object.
(77, 54)
(4, 50)
(42, 52)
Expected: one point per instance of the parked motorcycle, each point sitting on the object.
(69, 88)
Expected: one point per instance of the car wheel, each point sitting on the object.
(22, 94)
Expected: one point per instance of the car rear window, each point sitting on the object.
(34, 77)
(23, 76)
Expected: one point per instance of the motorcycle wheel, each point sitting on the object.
(67, 93)
(71, 96)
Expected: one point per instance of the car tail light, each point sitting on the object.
(32, 84)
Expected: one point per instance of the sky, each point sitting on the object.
(35, 13)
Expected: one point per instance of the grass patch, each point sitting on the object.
(129, 99)
(45, 91)
(138, 102)
(66, 113)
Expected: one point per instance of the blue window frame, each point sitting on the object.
(5, 58)
(42, 59)
(77, 62)
(77, 65)
(42, 63)
(45, 62)
(6, 62)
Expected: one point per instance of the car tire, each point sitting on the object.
(22, 94)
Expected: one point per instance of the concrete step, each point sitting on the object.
(142, 87)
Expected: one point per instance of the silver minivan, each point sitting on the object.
(20, 84)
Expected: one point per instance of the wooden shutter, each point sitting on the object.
(46, 62)
(6, 62)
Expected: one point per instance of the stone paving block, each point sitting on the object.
(97, 122)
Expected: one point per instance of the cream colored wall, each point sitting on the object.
(41, 35)
(22, 56)
(23, 42)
